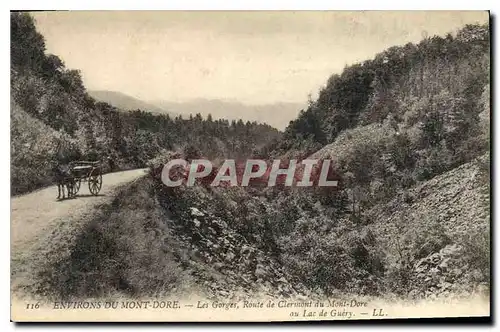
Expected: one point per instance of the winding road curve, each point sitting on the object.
(36, 213)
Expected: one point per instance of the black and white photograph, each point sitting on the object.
(249, 166)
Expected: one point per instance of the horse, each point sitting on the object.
(64, 179)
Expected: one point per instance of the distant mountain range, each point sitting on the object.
(126, 102)
(277, 115)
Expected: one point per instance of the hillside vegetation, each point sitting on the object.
(410, 83)
(409, 114)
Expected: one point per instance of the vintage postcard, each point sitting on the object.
(249, 166)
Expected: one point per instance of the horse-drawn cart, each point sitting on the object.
(87, 171)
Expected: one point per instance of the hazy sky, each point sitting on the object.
(253, 57)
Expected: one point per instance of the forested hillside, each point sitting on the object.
(439, 73)
(409, 132)
(53, 118)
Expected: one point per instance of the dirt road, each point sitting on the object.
(34, 214)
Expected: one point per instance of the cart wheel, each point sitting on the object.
(77, 186)
(95, 182)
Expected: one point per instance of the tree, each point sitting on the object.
(27, 46)
(52, 66)
(72, 82)
(474, 32)
(191, 152)
(433, 128)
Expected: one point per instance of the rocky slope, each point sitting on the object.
(439, 231)
(225, 257)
